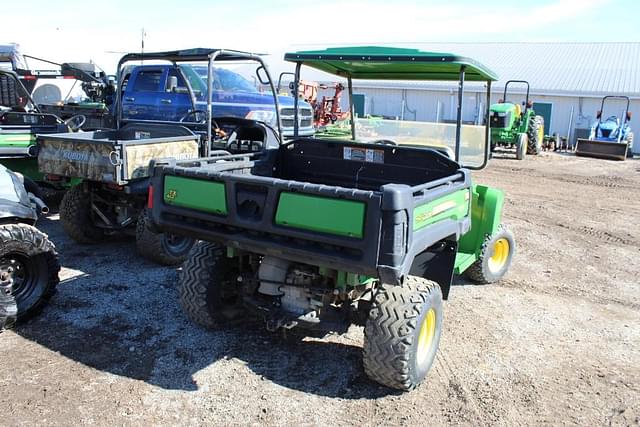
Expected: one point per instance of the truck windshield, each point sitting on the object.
(223, 79)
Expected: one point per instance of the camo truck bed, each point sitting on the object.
(115, 156)
(363, 208)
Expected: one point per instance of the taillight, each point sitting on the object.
(150, 198)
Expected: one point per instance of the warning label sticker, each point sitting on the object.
(363, 154)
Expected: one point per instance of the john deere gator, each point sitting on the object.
(322, 233)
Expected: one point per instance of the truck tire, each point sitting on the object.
(521, 146)
(30, 261)
(75, 216)
(207, 286)
(495, 257)
(402, 333)
(162, 248)
(535, 134)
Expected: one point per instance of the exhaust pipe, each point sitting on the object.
(41, 206)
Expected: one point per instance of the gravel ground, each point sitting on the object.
(557, 341)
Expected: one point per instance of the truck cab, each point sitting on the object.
(174, 93)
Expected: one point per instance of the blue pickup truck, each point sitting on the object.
(174, 92)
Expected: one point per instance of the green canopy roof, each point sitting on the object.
(388, 63)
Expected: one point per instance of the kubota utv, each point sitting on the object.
(513, 128)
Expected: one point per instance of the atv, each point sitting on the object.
(29, 263)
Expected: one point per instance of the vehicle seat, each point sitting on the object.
(518, 110)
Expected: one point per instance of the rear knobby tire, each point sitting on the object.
(394, 353)
(535, 135)
(495, 257)
(75, 216)
(629, 145)
(207, 286)
(162, 248)
(34, 263)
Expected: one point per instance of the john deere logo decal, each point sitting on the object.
(171, 195)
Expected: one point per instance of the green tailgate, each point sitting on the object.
(196, 194)
(323, 214)
(454, 206)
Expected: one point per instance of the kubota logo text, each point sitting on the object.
(75, 155)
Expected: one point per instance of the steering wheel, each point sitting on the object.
(75, 123)
(196, 114)
(384, 142)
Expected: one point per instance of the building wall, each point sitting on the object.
(388, 102)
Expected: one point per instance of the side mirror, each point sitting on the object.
(598, 114)
(262, 75)
(172, 84)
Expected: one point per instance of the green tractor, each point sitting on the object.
(321, 233)
(513, 128)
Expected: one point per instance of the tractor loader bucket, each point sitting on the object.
(601, 149)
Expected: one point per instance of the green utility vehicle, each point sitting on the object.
(20, 121)
(513, 128)
(324, 233)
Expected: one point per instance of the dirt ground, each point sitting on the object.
(556, 342)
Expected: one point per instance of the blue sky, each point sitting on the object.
(75, 31)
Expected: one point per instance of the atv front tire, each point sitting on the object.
(162, 248)
(495, 257)
(207, 286)
(75, 216)
(29, 261)
(402, 333)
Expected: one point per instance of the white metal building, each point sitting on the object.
(567, 82)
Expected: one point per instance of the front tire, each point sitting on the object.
(402, 333)
(521, 146)
(75, 216)
(29, 260)
(207, 286)
(495, 257)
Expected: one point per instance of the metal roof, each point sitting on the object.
(388, 63)
(578, 69)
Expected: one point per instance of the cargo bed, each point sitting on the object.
(363, 208)
(115, 156)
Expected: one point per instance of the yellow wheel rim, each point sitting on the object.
(500, 255)
(426, 336)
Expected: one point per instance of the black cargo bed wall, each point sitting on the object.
(323, 162)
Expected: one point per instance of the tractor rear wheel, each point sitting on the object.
(207, 286)
(402, 333)
(535, 134)
(495, 257)
(75, 216)
(629, 145)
